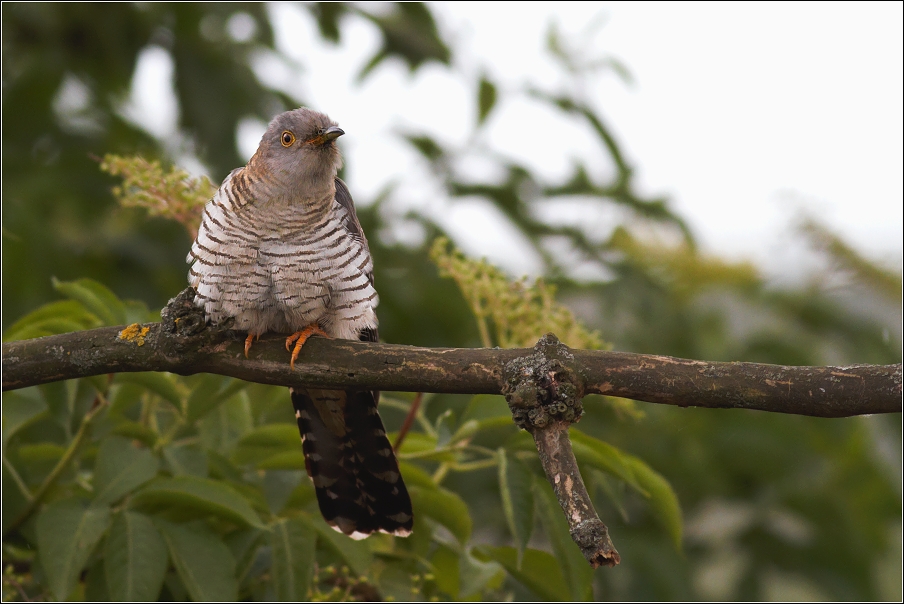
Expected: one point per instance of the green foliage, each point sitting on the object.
(170, 194)
(486, 99)
(519, 313)
(234, 517)
(145, 486)
(137, 558)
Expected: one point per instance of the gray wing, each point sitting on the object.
(354, 227)
(368, 334)
(351, 218)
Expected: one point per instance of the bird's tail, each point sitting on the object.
(349, 459)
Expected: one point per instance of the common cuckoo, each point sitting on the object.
(280, 249)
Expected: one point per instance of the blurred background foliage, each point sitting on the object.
(774, 507)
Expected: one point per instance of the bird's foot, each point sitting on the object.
(300, 337)
(248, 340)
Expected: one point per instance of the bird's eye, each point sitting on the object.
(287, 138)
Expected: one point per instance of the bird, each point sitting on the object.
(280, 249)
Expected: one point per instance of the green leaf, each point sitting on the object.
(616, 496)
(418, 445)
(603, 456)
(409, 33)
(416, 477)
(243, 543)
(67, 532)
(283, 435)
(121, 468)
(96, 297)
(95, 582)
(357, 554)
(221, 428)
(203, 561)
(278, 486)
(286, 460)
(137, 559)
(137, 312)
(220, 467)
(486, 99)
(136, 431)
(59, 398)
(662, 498)
(539, 571)
(209, 392)
(292, 543)
(39, 460)
(478, 576)
(19, 409)
(123, 398)
(50, 327)
(62, 316)
(636, 473)
(200, 494)
(262, 443)
(427, 147)
(515, 488)
(443, 427)
(161, 384)
(578, 574)
(14, 501)
(445, 507)
(328, 15)
(486, 406)
(465, 431)
(186, 460)
(445, 565)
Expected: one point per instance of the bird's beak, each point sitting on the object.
(331, 134)
(326, 135)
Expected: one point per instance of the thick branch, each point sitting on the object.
(184, 346)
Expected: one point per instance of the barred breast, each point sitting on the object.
(276, 264)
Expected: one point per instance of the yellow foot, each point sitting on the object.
(248, 340)
(302, 337)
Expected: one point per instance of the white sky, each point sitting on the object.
(742, 113)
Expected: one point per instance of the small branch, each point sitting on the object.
(64, 462)
(544, 391)
(185, 346)
(587, 530)
(409, 420)
(20, 484)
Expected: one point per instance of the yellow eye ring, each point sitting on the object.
(287, 138)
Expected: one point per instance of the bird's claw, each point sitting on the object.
(299, 338)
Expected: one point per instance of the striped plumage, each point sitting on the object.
(280, 249)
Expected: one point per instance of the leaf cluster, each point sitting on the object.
(170, 194)
(519, 312)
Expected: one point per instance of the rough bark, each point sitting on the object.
(192, 348)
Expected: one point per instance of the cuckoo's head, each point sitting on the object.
(299, 150)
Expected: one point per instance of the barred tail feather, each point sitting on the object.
(348, 457)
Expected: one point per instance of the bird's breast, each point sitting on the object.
(282, 269)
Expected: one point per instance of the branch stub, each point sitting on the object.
(543, 386)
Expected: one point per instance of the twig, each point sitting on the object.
(409, 420)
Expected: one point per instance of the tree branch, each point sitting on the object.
(193, 348)
(543, 385)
